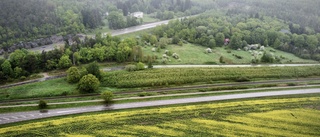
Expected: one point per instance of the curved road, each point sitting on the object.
(24, 116)
(113, 33)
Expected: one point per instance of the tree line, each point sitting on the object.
(23, 63)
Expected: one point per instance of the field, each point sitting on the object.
(178, 76)
(292, 116)
(193, 54)
(49, 88)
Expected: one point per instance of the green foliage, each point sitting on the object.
(267, 58)
(107, 96)
(42, 104)
(130, 68)
(73, 75)
(221, 59)
(65, 62)
(88, 84)
(150, 66)
(140, 66)
(159, 77)
(93, 68)
(6, 68)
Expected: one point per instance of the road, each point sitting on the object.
(113, 33)
(25, 116)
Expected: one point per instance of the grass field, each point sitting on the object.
(180, 76)
(292, 116)
(193, 54)
(48, 88)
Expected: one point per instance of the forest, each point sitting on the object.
(26, 20)
(244, 22)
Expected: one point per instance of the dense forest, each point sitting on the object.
(291, 26)
(26, 20)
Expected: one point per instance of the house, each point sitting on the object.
(137, 14)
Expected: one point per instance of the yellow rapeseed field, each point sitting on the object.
(260, 117)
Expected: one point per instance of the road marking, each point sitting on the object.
(22, 116)
(14, 117)
(5, 118)
(67, 111)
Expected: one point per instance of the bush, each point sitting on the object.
(88, 84)
(73, 75)
(130, 68)
(140, 66)
(107, 96)
(175, 55)
(222, 59)
(150, 66)
(42, 104)
(242, 79)
(93, 68)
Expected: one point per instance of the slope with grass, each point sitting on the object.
(291, 116)
(194, 54)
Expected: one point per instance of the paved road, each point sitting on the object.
(24, 116)
(137, 28)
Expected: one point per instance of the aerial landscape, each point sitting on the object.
(140, 68)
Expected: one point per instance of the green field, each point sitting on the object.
(48, 88)
(293, 116)
(193, 54)
(119, 81)
(178, 76)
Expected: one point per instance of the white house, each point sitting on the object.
(137, 14)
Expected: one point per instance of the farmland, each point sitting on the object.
(178, 76)
(290, 116)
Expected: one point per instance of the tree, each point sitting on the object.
(312, 42)
(88, 84)
(6, 68)
(220, 39)
(16, 58)
(212, 43)
(107, 96)
(42, 104)
(65, 62)
(18, 72)
(93, 68)
(73, 75)
(235, 42)
(116, 20)
(267, 58)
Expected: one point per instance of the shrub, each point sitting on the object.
(93, 68)
(88, 84)
(222, 59)
(130, 68)
(150, 66)
(42, 104)
(267, 58)
(107, 96)
(73, 75)
(242, 79)
(140, 66)
(142, 94)
(175, 55)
